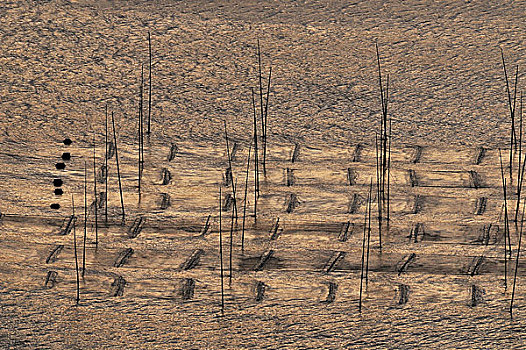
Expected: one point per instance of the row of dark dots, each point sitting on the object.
(61, 166)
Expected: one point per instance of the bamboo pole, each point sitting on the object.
(261, 104)
(95, 195)
(231, 251)
(266, 125)
(221, 255)
(75, 249)
(389, 179)
(85, 219)
(369, 202)
(363, 260)
(118, 168)
(149, 82)
(378, 190)
(107, 170)
(256, 170)
(512, 132)
(245, 201)
(507, 234)
(231, 170)
(141, 130)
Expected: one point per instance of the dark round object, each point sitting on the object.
(66, 156)
(59, 192)
(67, 141)
(55, 206)
(60, 166)
(57, 182)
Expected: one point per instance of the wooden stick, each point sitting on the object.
(231, 170)
(106, 172)
(245, 201)
(141, 131)
(382, 167)
(378, 188)
(517, 262)
(221, 254)
(385, 139)
(389, 178)
(513, 116)
(519, 191)
(520, 131)
(142, 118)
(515, 96)
(75, 249)
(369, 202)
(85, 219)
(506, 234)
(118, 169)
(256, 161)
(512, 137)
(261, 105)
(363, 260)
(519, 172)
(149, 82)
(380, 77)
(266, 125)
(505, 223)
(230, 266)
(95, 195)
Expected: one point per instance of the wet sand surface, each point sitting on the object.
(437, 282)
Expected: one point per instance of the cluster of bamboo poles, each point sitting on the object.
(258, 159)
(383, 160)
(80, 271)
(383, 179)
(512, 180)
(383, 155)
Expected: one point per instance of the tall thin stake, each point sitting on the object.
(389, 179)
(514, 102)
(506, 233)
(149, 82)
(369, 202)
(96, 208)
(118, 168)
(261, 105)
(512, 114)
(140, 132)
(266, 124)
(85, 219)
(380, 77)
(231, 170)
(520, 173)
(378, 190)
(363, 259)
(75, 249)
(106, 172)
(256, 161)
(505, 190)
(221, 255)
(245, 201)
(519, 191)
(384, 149)
(230, 266)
